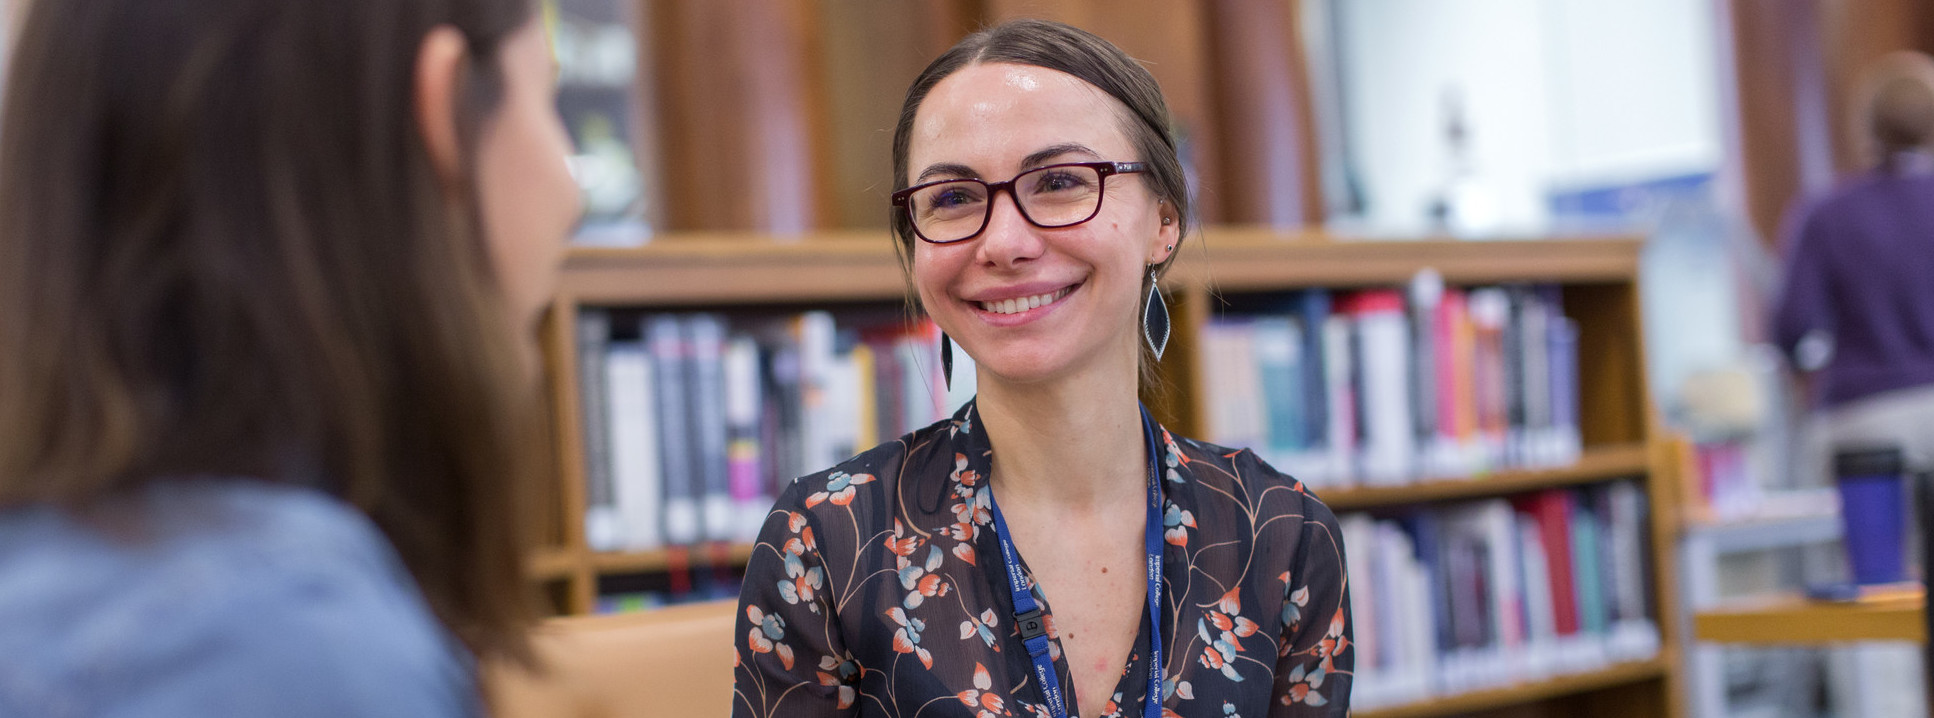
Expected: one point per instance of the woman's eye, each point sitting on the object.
(953, 198)
(1059, 182)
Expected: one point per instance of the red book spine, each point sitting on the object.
(1552, 509)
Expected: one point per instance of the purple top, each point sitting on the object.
(1860, 272)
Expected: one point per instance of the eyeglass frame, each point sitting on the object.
(1103, 170)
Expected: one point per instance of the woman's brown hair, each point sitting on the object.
(224, 252)
(1064, 48)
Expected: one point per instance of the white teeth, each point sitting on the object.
(1012, 306)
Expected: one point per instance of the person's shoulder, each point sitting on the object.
(336, 644)
(226, 598)
(876, 474)
(1201, 459)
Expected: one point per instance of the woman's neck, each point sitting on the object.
(1074, 442)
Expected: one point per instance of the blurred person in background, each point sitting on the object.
(269, 273)
(1856, 311)
(1050, 550)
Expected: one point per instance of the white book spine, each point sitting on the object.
(634, 445)
(1389, 443)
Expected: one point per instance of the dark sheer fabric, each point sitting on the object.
(876, 589)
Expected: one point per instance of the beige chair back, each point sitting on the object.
(673, 661)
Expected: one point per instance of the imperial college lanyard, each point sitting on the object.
(1027, 613)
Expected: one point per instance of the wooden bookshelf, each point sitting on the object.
(1798, 620)
(1597, 464)
(615, 562)
(858, 268)
(552, 564)
(1556, 687)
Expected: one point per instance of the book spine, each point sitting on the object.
(603, 527)
(743, 414)
(1313, 307)
(638, 489)
(1389, 431)
(1339, 385)
(1277, 342)
(671, 354)
(705, 335)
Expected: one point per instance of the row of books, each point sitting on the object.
(693, 423)
(1377, 388)
(1489, 593)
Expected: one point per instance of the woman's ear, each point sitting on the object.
(440, 62)
(1167, 235)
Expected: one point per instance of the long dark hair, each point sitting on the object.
(1065, 48)
(224, 252)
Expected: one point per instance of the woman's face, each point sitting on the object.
(991, 122)
(530, 202)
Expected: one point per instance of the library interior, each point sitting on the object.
(1545, 311)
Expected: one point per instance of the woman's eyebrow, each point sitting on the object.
(945, 169)
(1065, 148)
(1040, 157)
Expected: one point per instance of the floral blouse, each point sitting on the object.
(877, 589)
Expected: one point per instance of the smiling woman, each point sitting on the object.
(1039, 201)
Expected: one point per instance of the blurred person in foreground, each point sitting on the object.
(1856, 311)
(269, 272)
(1050, 550)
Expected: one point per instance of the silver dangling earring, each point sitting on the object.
(1155, 317)
(947, 360)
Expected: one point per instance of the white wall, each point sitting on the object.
(1557, 94)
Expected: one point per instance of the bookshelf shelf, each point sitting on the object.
(1794, 619)
(552, 564)
(712, 268)
(615, 562)
(1531, 692)
(1597, 464)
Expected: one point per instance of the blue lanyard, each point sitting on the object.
(1027, 613)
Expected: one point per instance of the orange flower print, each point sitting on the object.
(964, 548)
(1230, 602)
(979, 698)
(906, 639)
(1236, 625)
(974, 506)
(1334, 642)
(1172, 458)
(801, 584)
(1227, 642)
(1112, 709)
(1303, 687)
(983, 626)
(1177, 522)
(963, 477)
(767, 632)
(840, 671)
(1293, 608)
(901, 544)
(839, 488)
(921, 582)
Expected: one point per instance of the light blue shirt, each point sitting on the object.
(217, 598)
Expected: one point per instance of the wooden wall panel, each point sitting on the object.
(1780, 117)
(873, 49)
(1857, 33)
(739, 106)
(1271, 169)
(1170, 38)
